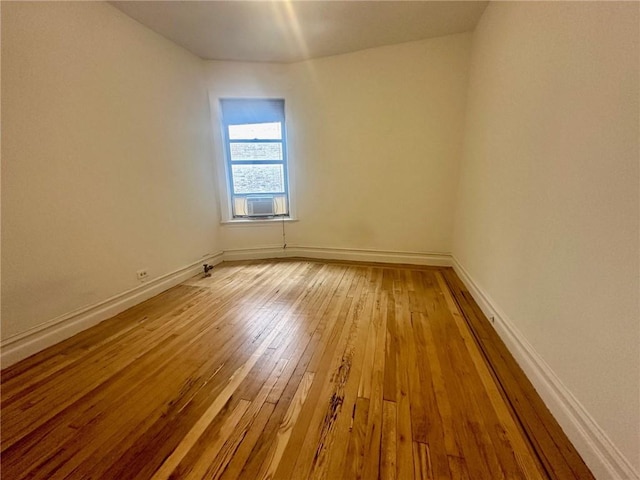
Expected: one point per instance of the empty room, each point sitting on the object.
(320, 240)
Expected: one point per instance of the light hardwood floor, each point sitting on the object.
(275, 369)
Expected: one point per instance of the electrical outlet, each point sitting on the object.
(142, 274)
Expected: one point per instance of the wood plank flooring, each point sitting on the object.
(291, 369)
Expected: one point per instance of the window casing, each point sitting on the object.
(256, 157)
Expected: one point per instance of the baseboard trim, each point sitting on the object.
(258, 253)
(18, 347)
(348, 254)
(598, 451)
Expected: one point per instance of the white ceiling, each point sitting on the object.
(290, 31)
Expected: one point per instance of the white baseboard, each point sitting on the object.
(18, 347)
(598, 451)
(258, 253)
(348, 254)
(22, 345)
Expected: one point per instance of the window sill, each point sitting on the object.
(245, 222)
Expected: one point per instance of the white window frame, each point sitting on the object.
(224, 173)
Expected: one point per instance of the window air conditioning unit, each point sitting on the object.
(260, 207)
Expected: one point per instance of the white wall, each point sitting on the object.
(547, 222)
(375, 138)
(106, 169)
(106, 159)
(262, 80)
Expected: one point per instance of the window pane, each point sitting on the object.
(256, 151)
(257, 178)
(256, 131)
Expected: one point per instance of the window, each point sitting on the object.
(256, 155)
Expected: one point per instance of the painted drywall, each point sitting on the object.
(106, 159)
(240, 80)
(374, 143)
(547, 219)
